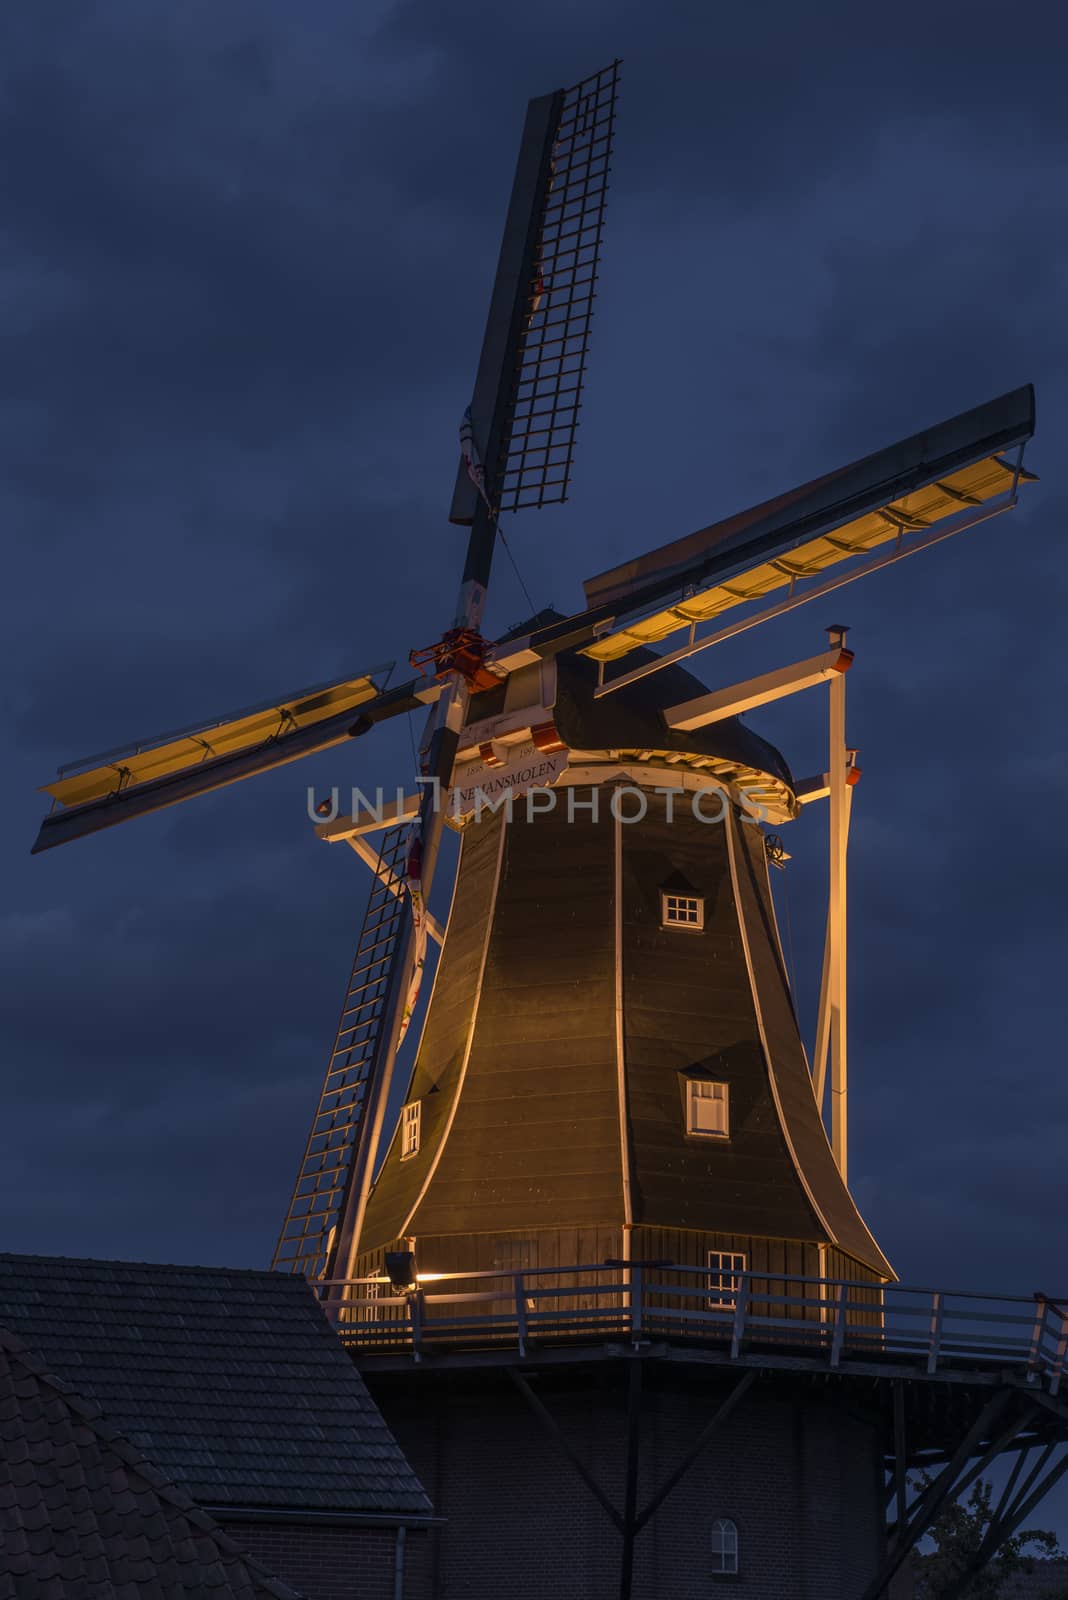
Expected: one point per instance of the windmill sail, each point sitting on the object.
(309, 1233)
(539, 309)
(896, 494)
(524, 415)
(161, 771)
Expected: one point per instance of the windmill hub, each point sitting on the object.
(459, 650)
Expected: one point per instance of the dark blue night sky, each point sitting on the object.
(247, 254)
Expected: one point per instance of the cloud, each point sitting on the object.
(247, 258)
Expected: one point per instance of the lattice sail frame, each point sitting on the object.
(544, 409)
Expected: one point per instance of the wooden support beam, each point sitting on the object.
(555, 1432)
(901, 1481)
(722, 703)
(630, 1521)
(836, 933)
(630, 1490)
(1003, 1527)
(823, 1014)
(405, 808)
(996, 1447)
(718, 1417)
(837, 926)
(1024, 1507)
(816, 788)
(930, 1503)
(1010, 1482)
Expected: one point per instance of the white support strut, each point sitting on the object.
(723, 703)
(823, 1017)
(837, 925)
(393, 883)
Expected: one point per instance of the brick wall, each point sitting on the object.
(797, 1474)
(336, 1563)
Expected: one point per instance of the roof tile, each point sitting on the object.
(53, 1550)
(230, 1380)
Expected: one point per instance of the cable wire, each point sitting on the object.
(515, 567)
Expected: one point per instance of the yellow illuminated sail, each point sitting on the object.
(912, 513)
(179, 752)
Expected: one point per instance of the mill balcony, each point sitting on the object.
(737, 1318)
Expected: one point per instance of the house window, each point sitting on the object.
(682, 911)
(410, 1119)
(725, 1268)
(707, 1108)
(724, 1546)
(370, 1292)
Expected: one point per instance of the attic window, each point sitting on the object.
(410, 1121)
(707, 1108)
(682, 911)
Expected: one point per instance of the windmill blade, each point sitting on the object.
(524, 413)
(902, 493)
(309, 1230)
(533, 356)
(154, 773)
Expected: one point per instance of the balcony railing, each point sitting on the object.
(832, 1320)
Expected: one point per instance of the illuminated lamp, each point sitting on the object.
(400, 1270)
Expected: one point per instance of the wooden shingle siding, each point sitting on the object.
(529, 1141)
(441, 1053)
(689, 1006)
(787, 1064)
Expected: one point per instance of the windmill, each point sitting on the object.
(610, 1067)
(565, 700)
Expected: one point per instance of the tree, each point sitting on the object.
(948, 1572)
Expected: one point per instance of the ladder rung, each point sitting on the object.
(314, 1206)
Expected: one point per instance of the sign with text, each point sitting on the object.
(479, 784)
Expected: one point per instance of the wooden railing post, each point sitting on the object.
(938, 1312)
(521, 1312)
(1060, 1360)
(416, 1311)
(636, 1307)
(1038, 1337)
(838, 1337)
(741, 1306)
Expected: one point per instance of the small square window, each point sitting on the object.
(682, 911)
(410, 1122)
(707, 1108)
(725, 1268)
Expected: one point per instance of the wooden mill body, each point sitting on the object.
(567, 1020)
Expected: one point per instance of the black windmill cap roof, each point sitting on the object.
(633, 717)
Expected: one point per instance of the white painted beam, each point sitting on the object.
(387, 815)
(707, 708)
(395, 885)
(837, 767)
(823, 1015)
(816, 788)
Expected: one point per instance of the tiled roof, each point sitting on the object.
(82, 1512)
(232, 1382)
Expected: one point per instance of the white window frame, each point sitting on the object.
(685, 911)
(370, 1291)
(724, 1547)
(728, 1265)
(703, 1095)
(411, 1128)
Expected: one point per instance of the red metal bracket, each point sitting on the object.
(460, 650)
